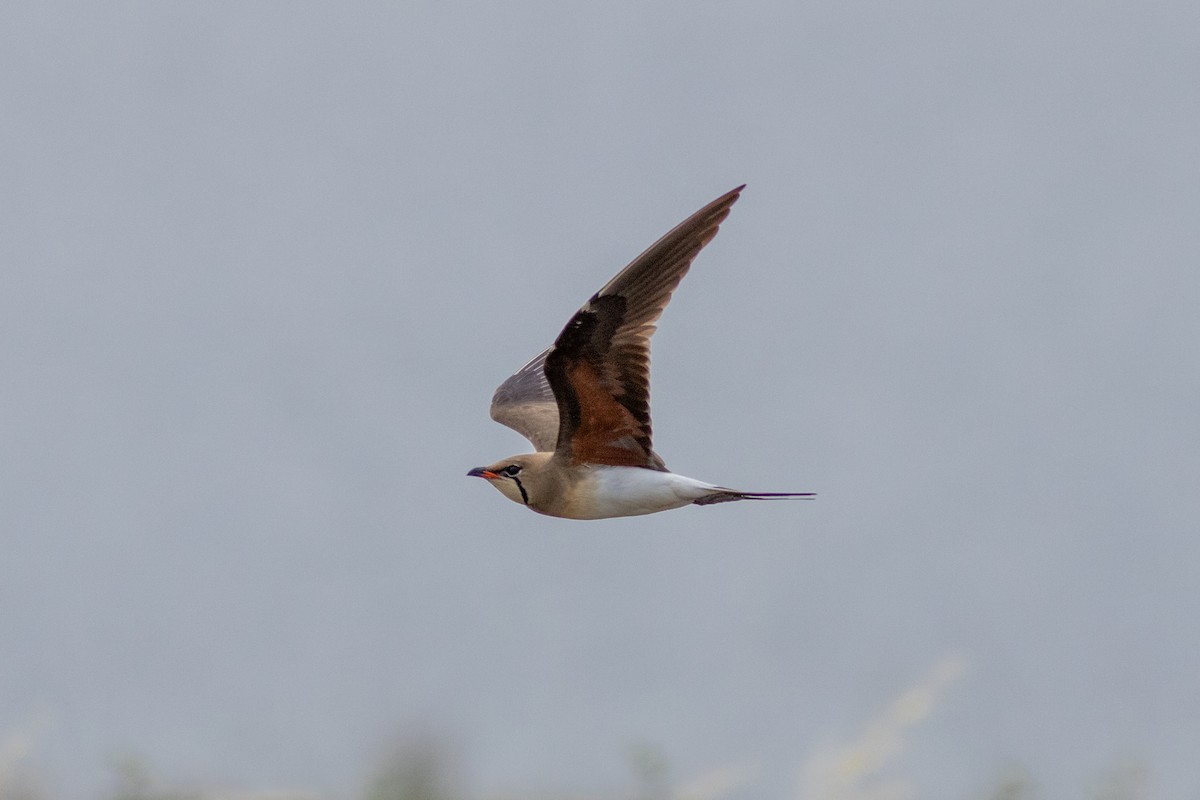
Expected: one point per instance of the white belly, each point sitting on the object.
(630, 491)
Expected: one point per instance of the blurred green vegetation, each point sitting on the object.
(415, 769)
(422, 767)
(420, 770)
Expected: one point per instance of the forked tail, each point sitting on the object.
(729, 495)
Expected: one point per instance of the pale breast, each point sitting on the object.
(610, 491)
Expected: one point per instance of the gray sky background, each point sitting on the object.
(264, 263)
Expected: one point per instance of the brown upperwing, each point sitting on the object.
(599, 367)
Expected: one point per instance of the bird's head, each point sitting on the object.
(518, 477)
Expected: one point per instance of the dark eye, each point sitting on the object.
(511, 470)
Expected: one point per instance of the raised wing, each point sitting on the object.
(599, 367)
(526, 404)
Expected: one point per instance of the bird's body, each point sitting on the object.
(596, 491)
(610, 491)
(584, 403)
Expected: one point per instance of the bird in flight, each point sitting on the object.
(584, 402)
